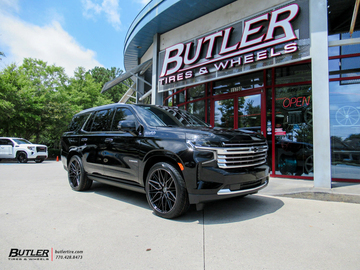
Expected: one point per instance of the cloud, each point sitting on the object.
(10, 4)
(50, 43)
(109, 7)
(143, 2)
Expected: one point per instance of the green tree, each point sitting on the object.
(103, 75)
(37, 100)
(34, 101)
(85, 91)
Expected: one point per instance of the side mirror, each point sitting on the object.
(128, 126)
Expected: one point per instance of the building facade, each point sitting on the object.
(287, 69)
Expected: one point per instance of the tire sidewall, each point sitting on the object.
(21, 160)
(181, 202)
(84, 183)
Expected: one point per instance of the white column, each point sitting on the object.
(320, 93)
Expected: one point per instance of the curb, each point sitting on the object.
(324, 196)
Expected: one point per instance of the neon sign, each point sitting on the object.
(296, 102)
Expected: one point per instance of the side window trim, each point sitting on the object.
(90, 118)
(87, 119)
(114, 115)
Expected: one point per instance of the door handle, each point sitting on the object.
(109, 140)
(84, 139)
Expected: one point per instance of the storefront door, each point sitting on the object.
(239, 111)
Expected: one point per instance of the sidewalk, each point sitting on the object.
(294, 188)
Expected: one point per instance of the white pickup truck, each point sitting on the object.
(22, 150)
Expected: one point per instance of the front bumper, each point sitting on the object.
(215, 184)
(35, 155)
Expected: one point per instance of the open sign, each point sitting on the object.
(296, 102)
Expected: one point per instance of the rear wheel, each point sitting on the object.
(165, 191)
(22, 157)
(76, 175)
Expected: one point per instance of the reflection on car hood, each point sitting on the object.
(216, 134)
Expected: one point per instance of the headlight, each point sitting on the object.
(32, 148)
(201, 154)
(196, 140)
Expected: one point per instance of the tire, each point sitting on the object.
(165, 191)
(22, 157)
(76, 175)
(39, 160)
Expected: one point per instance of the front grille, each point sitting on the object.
(40, 149)
(239, 155)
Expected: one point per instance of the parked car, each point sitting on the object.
(22, 150)
(166, 153)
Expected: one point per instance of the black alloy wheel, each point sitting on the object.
(22, 157)
(165, 191)
(76, 175)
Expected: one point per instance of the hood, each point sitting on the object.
(215, 137)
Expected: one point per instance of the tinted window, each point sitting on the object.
(240, 83)
(165, 116)
(22, 141)
(101, 121)
(78, 121)
(298, 73)
(5, 142)
(122, 114)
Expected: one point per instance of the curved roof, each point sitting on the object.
(160, 16)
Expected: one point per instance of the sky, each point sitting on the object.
(66, 33)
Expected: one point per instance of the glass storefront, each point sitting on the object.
(293, 131)
(224, 113)
(287, 109)
(249, 112)
(344, 87)
(289, 120)
(237, 103)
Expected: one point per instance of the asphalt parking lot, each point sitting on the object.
(112, 228)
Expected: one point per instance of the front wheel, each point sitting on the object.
(76, 175)
(22, 157)
(165, 191)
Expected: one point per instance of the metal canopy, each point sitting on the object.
(342, 18)
(133, 72)
(160, 16)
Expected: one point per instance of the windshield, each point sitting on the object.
(22, 141)
(157, 116)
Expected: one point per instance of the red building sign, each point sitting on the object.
(263, 38)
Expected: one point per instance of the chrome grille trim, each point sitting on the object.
(239, 155)
(40, 149)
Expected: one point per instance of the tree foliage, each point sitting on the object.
(103, 75)
(37, 100)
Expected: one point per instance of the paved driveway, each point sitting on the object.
(112, 228)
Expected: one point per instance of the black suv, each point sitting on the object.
(165, 152)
